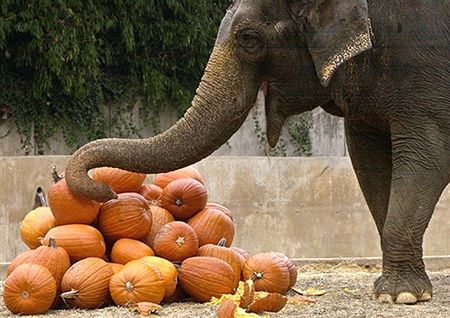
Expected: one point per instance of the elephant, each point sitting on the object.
(382, 65)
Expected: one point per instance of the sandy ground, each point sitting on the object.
(349, 295)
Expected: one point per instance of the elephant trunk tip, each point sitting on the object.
(82, 185)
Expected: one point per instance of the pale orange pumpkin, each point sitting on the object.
(79, 240)
(163, 179)
(126, 250)
(268, 271)
(203, 277)
(183, 198)
(35, 225)
(137, 282)
(168, 271)
(243, 254)
(152, 193)
(119, 180)
(160, 217)
(22, 258)
(226, 254)
(68, 208)
(86, 283)
(211, 225)
(175, 241)
(30, 289)
(128, 216)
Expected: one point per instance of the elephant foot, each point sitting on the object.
(403, 288)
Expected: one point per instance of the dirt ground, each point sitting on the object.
(349, 295)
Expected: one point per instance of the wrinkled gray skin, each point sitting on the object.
(381, 64)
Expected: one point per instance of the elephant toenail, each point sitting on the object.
(426, 296)
(385, 298)
(406, 298)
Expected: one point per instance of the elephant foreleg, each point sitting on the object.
(370, 152)
(421, 170)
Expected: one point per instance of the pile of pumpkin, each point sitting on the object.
(158, 242)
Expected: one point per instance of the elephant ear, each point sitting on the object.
(335, 31)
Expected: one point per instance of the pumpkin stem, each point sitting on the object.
(129, 285)
(52, 243)
(73, 293)
(257, 275)
(25, 294)
(222, 242)
(178, 201)
(55, 175)
(180, 240)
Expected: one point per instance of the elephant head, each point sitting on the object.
(294, 47)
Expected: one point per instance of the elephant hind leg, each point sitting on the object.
(420, 172)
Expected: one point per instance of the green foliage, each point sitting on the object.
(64, 63)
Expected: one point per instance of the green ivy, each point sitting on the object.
(65, 63)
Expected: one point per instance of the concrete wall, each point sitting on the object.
(326, 135)
(304, 207)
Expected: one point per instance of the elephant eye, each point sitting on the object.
(249, 40)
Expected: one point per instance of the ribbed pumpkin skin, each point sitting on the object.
(225, 254)
(22, 258)
(291, 268)
(52, 257)
(35, 225)
(152, 193)
(183, 198)
(137, 282)
(163, 179)
(126, 250)
(168, 271)
(241, 252)
(34, 280)
(220, 207)
(119, 180)
(90, 279)
(128, 216)
(79, 240)
(211, 225)
(160, 217)
(175, 241)
(203, 277)
(116, 267)
(268, 272)
(67, 208)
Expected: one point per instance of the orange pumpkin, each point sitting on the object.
(175, 241)
(243, 254)
(128, 216)
(163, 179)
(268, 271)
(79, 240)
(137, 282)
(125, 250)
(86, 283)
(152, 193)
(183, 198)
(22, 258)
(29, 290)
(116, 267)
(160, 217)
(203, 277)
(212, 225)
(119, 180)
(52, 257)
(67, 208)
(273, 302)
(35, 225)
(220, 207)
(291, 268)
(226, 254)
(227, 309)
(168, 271)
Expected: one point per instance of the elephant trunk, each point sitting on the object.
(219, 108)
